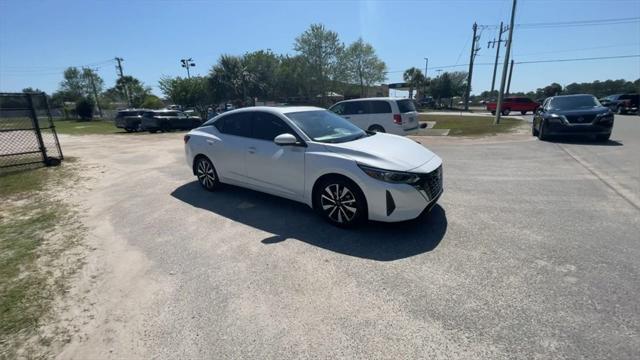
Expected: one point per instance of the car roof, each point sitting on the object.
(573, 95)
(275, 109)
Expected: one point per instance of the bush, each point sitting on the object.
(84, 108)
(152, 102)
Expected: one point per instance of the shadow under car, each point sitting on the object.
(288, 219)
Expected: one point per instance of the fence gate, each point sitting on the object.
(27, 133)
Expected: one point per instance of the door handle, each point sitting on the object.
(252, 150)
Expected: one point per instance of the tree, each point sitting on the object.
(552, 90)
(31, 90)
(264, 66)
(361, 65)
(152, 102)
(320, 48)
(189, 92)
(292, 79)
(414, 78)
(136, 89)
(231, 79)
(84, 108)
(448, 85)
(72, 87)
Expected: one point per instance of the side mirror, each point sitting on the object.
(285, 139)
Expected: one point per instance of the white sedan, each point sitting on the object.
(313, 156)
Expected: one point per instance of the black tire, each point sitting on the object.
(153, 131)
(523, 112)
(534, 132)
(128, 130)
(206, 173)
(493, 113)
(340, 202)
(542, 134)
(506, 112)
(603, 138)
(376, 128)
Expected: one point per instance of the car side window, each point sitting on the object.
(354, 108)
(338, 108)
(235, 124)
(265, 126)
(379, 107)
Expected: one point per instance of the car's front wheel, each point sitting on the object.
(542, 133)
(206, 173)
(340, 202)
(506, 112)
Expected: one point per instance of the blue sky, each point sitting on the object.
(38, 39)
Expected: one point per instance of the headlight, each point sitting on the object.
(396, 177)
(556, 118)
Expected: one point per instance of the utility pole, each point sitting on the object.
(493, 43)
(509, 81)
(505, 65)
(95, 91)
(474, 51)
(426, 66)
(187, 63)
(126, 88)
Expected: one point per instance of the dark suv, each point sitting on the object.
(129, 119)
(622, 103)
(573, 115)
(166, 120)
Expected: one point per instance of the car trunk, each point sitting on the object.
(408, 113)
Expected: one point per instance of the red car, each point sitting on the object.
(522, 104)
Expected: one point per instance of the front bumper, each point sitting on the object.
(561, 127)
(390, 202)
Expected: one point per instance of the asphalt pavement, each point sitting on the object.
(532, 252)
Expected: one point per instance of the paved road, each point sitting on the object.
(532, 253)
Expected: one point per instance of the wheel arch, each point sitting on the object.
(334, 175)
(195, 159)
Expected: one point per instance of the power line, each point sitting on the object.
(580, 23)
(579, 59)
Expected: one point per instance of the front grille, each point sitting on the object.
(431, 183)
(581, 119)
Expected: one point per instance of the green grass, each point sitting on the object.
(462, 125)
(36, 233)
(73, 127)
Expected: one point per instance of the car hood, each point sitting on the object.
(384, 151)
(581, 112)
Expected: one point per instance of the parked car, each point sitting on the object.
(622, 103)
(394, 116)
(129, 119)
(573, 115)
(427, 102)
(166, 120)
(522, 104)
(316, 157)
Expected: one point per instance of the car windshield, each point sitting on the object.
(325, 126)
(574, 102)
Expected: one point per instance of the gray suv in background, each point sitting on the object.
(129, 119)
(167, 120)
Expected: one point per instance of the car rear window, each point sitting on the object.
(406, 106)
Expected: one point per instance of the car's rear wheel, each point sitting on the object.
(506, 112)
(523, 112)
(206, 173)
(340, 202)
(493, 112)
(376, 128)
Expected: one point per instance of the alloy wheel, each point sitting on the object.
(206, 174)
(338, 203)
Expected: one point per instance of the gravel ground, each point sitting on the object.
(532, 253)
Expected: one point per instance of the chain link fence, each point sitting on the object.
(27, 133)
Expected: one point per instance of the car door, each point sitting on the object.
(379, 113)
(356, 112)
(229, 150)
(273, 168)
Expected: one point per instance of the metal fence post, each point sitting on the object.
(52, 126)
(36, 127)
